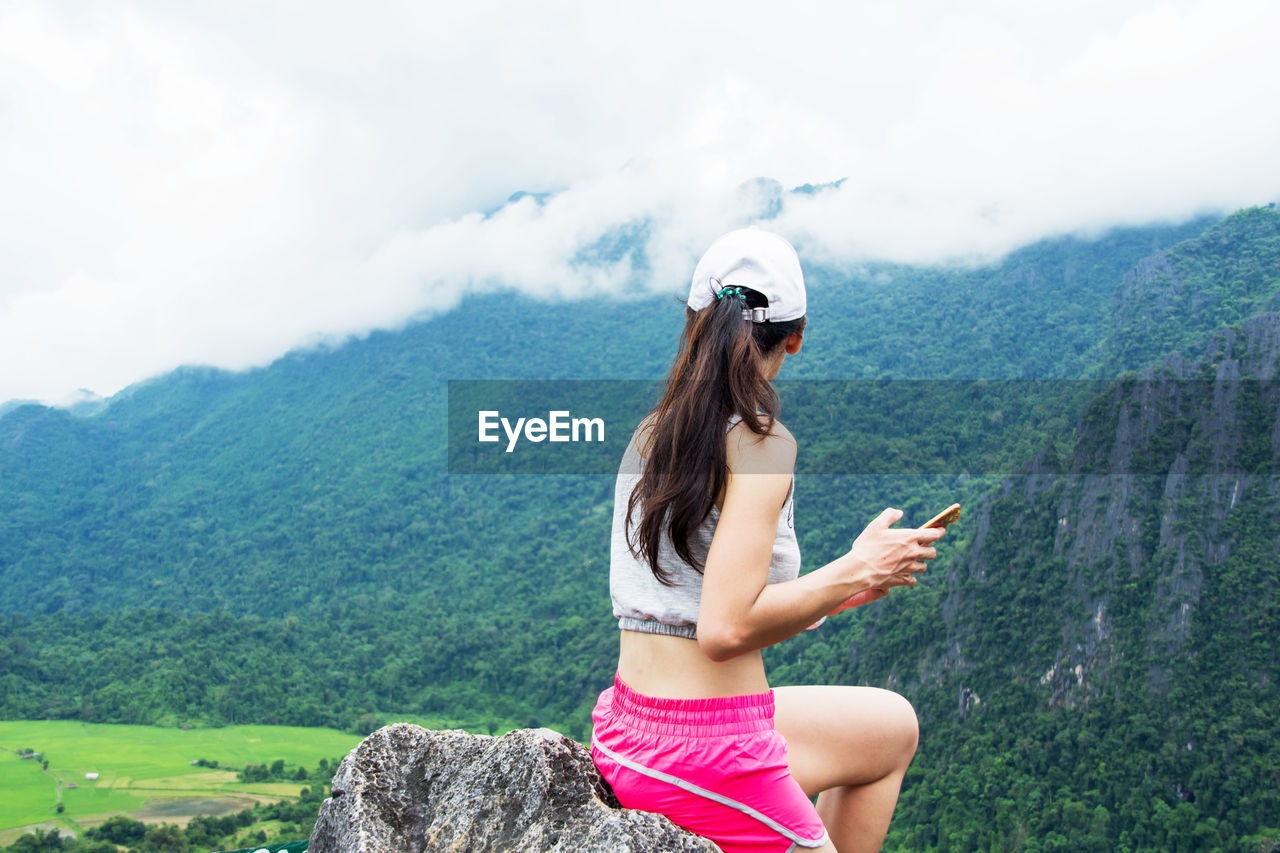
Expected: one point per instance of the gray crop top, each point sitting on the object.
(639, 601)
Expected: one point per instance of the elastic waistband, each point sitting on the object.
(653, 626)
(727, 715)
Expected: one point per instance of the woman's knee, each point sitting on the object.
(846, 735)
(904, 728)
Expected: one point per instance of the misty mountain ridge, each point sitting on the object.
(1088, 266)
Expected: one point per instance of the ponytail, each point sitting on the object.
(718, 373)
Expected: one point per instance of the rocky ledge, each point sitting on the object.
(407, 789)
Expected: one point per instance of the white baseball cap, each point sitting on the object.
(755, 259)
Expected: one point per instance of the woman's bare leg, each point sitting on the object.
(851, 746)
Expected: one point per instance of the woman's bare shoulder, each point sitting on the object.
(749, 453)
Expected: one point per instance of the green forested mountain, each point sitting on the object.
(1173, 300)
(1103, 653)
(287, 545)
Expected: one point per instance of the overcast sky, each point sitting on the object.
(219, 182)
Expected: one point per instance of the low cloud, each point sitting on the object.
(185, 187)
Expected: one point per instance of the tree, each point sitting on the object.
(41, 839)
(167, 838)
(120, 830)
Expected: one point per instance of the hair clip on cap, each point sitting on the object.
(755, 315)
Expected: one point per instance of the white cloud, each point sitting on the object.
(220, 182)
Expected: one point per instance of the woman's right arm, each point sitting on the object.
(740, 610)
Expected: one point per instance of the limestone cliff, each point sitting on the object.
(1170, 494)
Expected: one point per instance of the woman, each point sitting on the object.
(704, 574)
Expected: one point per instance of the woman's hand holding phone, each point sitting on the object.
(884, 556)
(893, 556)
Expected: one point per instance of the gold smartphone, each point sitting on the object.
(944, 518)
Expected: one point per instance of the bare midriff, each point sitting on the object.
(676, 668)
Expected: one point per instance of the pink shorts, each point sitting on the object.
(716, 767)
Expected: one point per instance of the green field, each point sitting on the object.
(145, 771)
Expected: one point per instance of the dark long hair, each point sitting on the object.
(718, 372)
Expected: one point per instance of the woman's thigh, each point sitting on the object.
(844, 735)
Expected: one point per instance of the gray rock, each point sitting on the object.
(406, 789)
